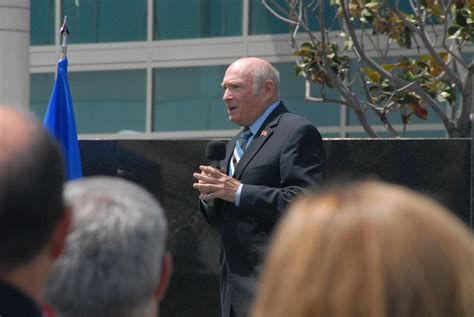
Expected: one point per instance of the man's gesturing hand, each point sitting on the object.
(212, 183)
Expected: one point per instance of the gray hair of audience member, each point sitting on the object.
(31, 185)
(368, 249)
(264, 72)
(112, 261)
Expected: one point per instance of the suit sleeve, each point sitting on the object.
(210, 212)
(302, 162)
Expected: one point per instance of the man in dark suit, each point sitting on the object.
(33, 219)
(272, 160)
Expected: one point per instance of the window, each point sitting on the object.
(189, 98)
(41, 86)
(292, 90)
(104, 101)
(263, 22)
(197, 18)
(109, 101)
(42, 22)
(106, 20)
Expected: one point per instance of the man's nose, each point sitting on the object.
(227, 95)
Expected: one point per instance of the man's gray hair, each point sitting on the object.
(111, 265)
(264, 72)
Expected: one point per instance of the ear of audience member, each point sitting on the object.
(33, 220)
(114, 263)
(369, 249)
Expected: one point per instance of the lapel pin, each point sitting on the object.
(264, 133)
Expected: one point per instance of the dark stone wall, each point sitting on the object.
(439, 168)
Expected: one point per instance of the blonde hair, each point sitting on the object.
(370, 249)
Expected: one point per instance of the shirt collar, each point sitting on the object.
(257, 124)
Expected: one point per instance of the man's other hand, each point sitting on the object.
(212, 183)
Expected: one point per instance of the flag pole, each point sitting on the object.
(59, 119)
(64, 35)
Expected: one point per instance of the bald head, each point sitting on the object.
(15, 126)
(250, 86)
(31, 183)
(259, 70)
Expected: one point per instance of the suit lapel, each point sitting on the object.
(261, 137)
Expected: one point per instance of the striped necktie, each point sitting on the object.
(239, 149)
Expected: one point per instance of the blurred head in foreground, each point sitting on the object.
(114, 263)
(33, 220)
(369, 249)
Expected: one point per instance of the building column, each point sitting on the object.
(15, 53)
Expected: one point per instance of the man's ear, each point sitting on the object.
(166, 271)
(60, 233)
(269, 88)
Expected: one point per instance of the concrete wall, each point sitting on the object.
(15, 53)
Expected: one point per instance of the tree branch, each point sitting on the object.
(462, 121)
(277, 15)
(297, 15)
(397, 81)
(381, 115)
(310, 98)
(420, 32)
(340, 86)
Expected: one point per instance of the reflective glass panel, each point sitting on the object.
(94, 21)
(41, 86)
(104, 101)
(292, 94)
(42, 22)
(263, 22)
(189, 98)
(197, 18)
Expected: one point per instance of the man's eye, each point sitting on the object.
(231, 87)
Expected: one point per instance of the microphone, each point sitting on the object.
(215, 152)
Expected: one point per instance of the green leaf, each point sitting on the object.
(367, 15)
(373, 5)
(454, 31)
(461, 20)
(348, 44)
(297, 70)
(302, 53)
(406, 38)
(372, 75)
(373, 88)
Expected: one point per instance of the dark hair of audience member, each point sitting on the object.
(31, 184)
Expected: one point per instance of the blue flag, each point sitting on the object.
(59, 121)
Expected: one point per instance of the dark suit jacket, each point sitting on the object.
(285, 156)
(15, 303)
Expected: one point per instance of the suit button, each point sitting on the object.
(227, 249)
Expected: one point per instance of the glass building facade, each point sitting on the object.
(155, 66)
